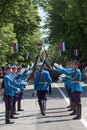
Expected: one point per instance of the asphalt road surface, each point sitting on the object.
(57, 115)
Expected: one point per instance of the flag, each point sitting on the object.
(59, 46)
(63, 46)
(75, 52)
(26, 55)
(15, 47)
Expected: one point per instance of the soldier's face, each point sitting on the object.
(75, 65)
(18, 70)
(9, 70)
(14, 70)
(39, 67)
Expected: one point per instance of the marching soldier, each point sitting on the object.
(42, 80)
(47, 69)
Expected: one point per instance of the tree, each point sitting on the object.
(23, 17)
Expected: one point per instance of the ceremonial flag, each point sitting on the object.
(63, 46)
(59, 45)
(26, 55)
(75, 52)
(15, 47)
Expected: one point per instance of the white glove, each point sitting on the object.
(60, 79)
(54, 68)
(18, 89)
(58, 66)
(30, 71)
(28, 67)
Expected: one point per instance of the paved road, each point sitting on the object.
(57, 117)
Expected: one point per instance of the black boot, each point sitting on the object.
(7, 118)
(74, 110)
(12, 113)
(73, 113)
(42, 105)
(50, 90)
(19, 106)
(78, 116)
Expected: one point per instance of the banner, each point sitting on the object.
(75, 52)
(61, 46)
(26, 55)
(15, 47)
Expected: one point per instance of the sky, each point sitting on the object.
(42, 14)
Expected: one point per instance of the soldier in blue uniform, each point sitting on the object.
(9, 92)
(76, 87)
(67, 83)
(21, 77)
(15, 97)
(47, 69)
(42, 80)
(19, 84)
(66, 80)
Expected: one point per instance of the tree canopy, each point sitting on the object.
(19, 24)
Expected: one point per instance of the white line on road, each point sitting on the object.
(84, 122)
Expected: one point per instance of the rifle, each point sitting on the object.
(53, 74)
(34, 68)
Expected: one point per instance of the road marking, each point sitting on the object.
(84, 122)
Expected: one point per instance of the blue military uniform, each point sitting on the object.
(9, 92)
(74, 80)
(67, 84)
(21, 79)
(17, 85)
(76, 87)
(42, 80)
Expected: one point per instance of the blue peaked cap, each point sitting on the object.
(8, 66)
(14, 67)
(75, 61)
(19, 67)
